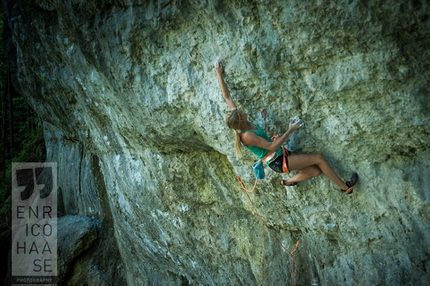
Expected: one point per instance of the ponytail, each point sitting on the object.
(238, 144)
(233, 120)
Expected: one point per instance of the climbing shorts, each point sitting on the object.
(280, 164)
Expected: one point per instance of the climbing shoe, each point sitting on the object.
(350, 183)
(284, 183)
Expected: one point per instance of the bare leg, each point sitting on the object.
(307, 163)
(305, 174)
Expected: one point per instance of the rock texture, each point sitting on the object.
(133, 109)
(76, 234)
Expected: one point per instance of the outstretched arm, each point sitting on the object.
(224, 89)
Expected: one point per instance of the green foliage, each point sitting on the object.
(22, 135)
(22, 141)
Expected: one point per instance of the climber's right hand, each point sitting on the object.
(295, 124)
(218, 67)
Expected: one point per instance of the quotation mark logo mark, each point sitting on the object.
(26, 178)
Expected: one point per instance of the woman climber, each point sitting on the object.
(270, 151)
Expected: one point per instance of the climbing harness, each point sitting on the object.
(285, 153)
(258, 167)
(284, 161)
(291, 253)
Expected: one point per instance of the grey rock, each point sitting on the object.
(135, 118)
(76, 234)
(83, 193)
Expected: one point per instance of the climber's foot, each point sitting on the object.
(284, 183)
(350, 183)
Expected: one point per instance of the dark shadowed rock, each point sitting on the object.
(76, 234)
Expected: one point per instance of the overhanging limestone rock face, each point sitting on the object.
(133, 83)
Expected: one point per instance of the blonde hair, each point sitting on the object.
(234, 121)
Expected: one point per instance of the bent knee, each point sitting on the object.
(319, 158)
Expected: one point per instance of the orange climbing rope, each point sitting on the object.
(291, 253)
(242, 185)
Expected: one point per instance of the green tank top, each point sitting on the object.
(258, 151)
